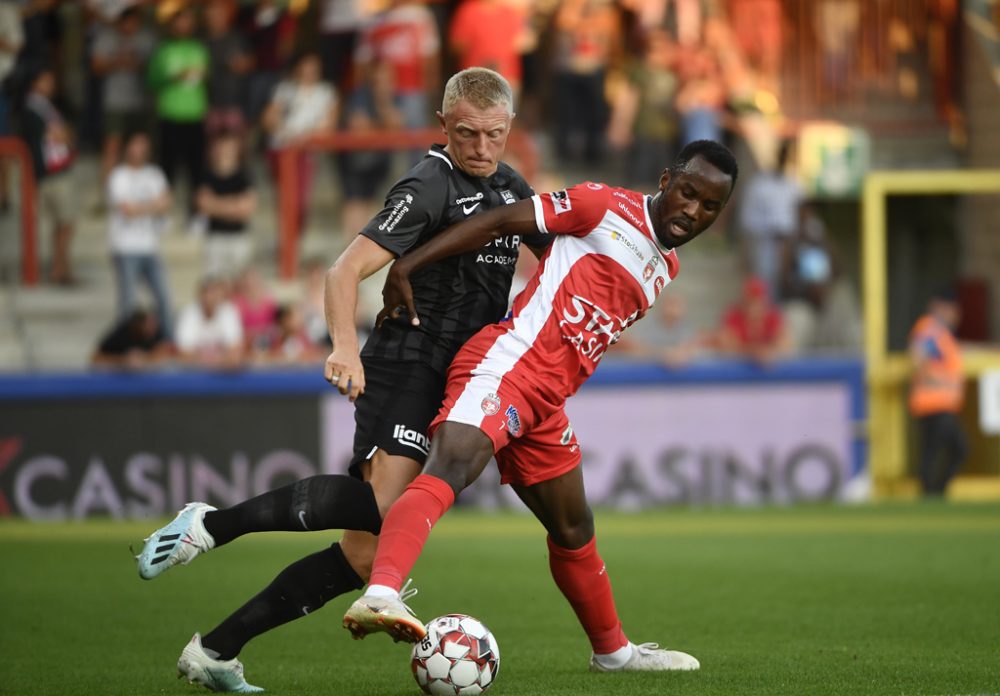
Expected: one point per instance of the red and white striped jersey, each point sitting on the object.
(599, 276)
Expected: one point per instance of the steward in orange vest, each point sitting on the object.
(937, 392)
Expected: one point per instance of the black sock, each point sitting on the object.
(312, 504)
(300, 589)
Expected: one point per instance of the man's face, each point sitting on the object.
(689, 202)
(137, 150)
(476, 137)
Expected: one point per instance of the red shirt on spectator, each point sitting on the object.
(404, 37)
(487, 33)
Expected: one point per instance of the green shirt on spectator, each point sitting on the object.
(177, 74)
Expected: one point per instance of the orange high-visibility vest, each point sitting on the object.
(937, 384)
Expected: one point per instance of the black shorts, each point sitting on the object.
(400, 401)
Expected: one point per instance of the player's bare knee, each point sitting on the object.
(573, 532)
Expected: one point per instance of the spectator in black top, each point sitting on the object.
(227, 202)
(135, 342)
(48, 137)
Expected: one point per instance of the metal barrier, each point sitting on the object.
(520, 146)
(14, 148)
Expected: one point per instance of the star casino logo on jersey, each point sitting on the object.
(627, 243)
(513, 421)
(591, 329)
(490, 404)
(561, 201)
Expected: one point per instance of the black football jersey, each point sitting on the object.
(457, 296)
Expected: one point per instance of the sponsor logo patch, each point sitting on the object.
(490, 404)
(627, 243)
(567, 435)
(513, 421)
(561, 201)
(411, 438)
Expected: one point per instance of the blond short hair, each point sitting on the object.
(481, 87)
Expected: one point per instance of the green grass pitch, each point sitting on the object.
(889, 599)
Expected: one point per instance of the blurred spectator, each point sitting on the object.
(586, 37)
(340, 23)
(838, 23)
(50, 142)
(370, 106)
(230, 63)
(119, 55)
(269, 29)
(256, 306)
(303, 106)
(702, 96)
(209, 332)
(134, 342)
(227, 202)
(643, 120)
(313, 302)
(937, 391)
(491, 34)
(404, 37)
(769, 217)
(666, 337)
(177, 74)
(139, 200)
(289, 343)
(11, 41)
(42, 34)
(759, 31)
(753, 328)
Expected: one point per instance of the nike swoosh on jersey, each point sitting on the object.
(469, 209)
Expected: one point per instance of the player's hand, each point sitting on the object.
(344, 371)
(397, 297)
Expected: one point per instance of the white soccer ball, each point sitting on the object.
(459, 655)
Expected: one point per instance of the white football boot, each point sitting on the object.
(390, 615)
(216, 675)
(650, 657)
(179, 542)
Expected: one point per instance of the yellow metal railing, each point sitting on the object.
(888, 372)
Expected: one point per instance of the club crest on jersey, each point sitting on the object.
(561, 201)
(650, 268)
(508, 197)
(658, 285)
(490, 404)
(513, 421)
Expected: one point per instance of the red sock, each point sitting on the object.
(407, 527)
(583, 579)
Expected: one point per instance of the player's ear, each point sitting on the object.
(441, 121)
(664, 179)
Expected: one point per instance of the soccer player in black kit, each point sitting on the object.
(397, 381)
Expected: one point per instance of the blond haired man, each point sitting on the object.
(396, 381)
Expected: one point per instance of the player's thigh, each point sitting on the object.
(543, 467)
(560, 504)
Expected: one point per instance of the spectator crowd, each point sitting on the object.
(179, 99)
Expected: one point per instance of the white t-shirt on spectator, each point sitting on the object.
(131, 185)
(201, 334)
(303, 109)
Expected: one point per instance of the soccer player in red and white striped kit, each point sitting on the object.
(613, 252)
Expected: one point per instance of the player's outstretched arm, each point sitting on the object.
(468, 235)
(343, 367)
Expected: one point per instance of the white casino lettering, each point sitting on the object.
(401, 208)
(600, 330)
(469, 199)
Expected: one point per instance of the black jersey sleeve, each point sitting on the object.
(413, 208)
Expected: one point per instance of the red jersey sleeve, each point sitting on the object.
(575, 211)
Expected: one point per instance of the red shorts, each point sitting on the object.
(532, 441)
